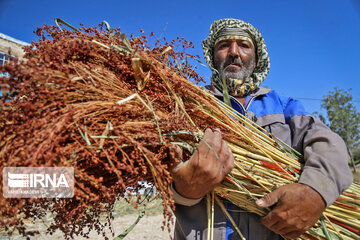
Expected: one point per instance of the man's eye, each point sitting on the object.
(223, 45)
(244, 45)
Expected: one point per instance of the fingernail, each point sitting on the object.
(260, 202)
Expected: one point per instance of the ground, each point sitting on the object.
(149, 227)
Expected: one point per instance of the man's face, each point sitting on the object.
(234, 58)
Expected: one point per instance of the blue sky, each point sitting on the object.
(313, 44)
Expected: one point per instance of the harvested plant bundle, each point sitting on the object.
(112, 108)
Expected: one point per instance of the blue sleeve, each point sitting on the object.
(291, 108)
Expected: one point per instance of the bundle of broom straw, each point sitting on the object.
(113, 108)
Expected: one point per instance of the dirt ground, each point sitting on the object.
(149, 226)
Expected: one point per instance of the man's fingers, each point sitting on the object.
(270, 198)
(218, 131)
(212, 140)
(270, 220)
(206, 142)
(279, 227)
(298, 208)
(228, 159)
(176, 152)
(282, 226)
(292, 235)
(206, 168)
(288, 232)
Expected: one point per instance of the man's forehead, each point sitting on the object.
(233, 37)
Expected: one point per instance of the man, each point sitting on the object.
(236, 50)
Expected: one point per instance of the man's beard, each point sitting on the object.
(243, 74)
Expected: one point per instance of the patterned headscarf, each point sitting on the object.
(235, 28)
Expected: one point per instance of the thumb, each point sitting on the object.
(270, 198)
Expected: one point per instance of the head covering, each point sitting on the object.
(230, 28)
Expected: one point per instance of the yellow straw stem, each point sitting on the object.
(208, 208)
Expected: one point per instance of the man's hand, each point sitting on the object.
(206, 168)
(298, 207)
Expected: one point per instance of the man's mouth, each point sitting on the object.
(232, 66)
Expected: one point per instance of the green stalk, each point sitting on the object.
(225, 91)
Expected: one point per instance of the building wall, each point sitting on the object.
(9, 47)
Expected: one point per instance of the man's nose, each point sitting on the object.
(234, 49)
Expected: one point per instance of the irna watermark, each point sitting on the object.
(38, 182)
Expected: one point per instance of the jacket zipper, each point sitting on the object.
(247, 106)
(245, 110)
